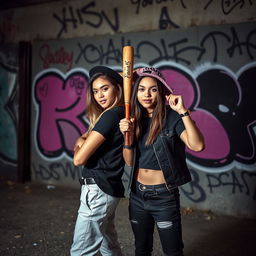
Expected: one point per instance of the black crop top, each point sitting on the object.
(145, 155)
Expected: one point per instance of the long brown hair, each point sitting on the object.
(139, 113)
(93, 109)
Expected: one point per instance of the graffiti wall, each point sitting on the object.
(8, 110)
(76, 18)
(214, 68)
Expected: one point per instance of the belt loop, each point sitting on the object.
(81, 181)
(155, 191)
(167, 186)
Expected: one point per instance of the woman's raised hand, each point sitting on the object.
(176, 103)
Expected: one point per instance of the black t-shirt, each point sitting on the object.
(145, 155)
(106, 164)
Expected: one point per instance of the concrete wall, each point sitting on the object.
(77, 18)
(213, 66)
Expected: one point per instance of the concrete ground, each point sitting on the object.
(38, 220)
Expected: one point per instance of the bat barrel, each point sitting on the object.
(127, 82)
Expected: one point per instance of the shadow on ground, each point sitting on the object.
(38, 220)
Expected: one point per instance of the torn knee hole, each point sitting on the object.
(164, 224)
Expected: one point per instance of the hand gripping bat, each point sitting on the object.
(127, 83)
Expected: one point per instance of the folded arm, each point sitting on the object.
(84, 150)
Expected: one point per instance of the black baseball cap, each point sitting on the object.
(108, 71)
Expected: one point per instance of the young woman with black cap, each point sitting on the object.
(157, 156)
(100, 152)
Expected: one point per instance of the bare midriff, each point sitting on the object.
(149, 177)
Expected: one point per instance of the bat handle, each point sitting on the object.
(127, 116)
(127, 139)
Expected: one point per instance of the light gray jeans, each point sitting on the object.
(95, 229)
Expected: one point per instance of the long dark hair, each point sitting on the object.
(139, 112)
(93, 109)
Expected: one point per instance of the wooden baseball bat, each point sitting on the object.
(127, 83)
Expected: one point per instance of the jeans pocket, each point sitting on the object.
(89, 195)
(92, 195)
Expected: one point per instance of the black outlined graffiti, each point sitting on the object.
(196, 193)
(215, 112)
(211, 86)
(164, 21)
(220, 109)
(173, 51)
(87, 15)
(179, 50)
(248, 44)
(213, 38)
(63, 118)
(56, 171)
(112, 54)
(216, 38)
(239, 183)
(144, 3)
(232, 112)
(227, 6)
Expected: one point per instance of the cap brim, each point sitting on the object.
(140, 74)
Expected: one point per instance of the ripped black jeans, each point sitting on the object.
(155, 204)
